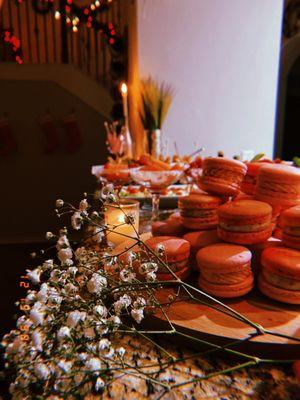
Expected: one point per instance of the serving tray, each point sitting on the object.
(210, 324)
(206, 323)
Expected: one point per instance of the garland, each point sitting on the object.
(14, 44)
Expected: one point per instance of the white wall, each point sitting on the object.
(222, 58)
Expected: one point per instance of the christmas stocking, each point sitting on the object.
(8, 144)
(73, 132)
(51, 134)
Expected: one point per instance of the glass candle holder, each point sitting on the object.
(116, 221)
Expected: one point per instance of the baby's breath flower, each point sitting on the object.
(100, 310)
(83, 205)
(137, 314)
(99, 384)
(140, 302)
(37, 338)
(160, 248)
(150, 276)
(127, 275)
(65, 366)
(59, 203)
(42, 371)
(47, 264)
(76, 220)
(106, 191)
(96, 283)
(147, 267)
(114, 320)
(34, 275)
(63, 333)
(64, 254)
(62, 242)
(121, 351)
(49, 235)
(37, 316)
(123, 302)
(93, 364)
(74, 317)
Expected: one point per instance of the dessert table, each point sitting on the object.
(122, 312)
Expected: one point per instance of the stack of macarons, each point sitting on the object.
(280, 275)
(245, 221)
(278, 185)
(176, 252)
(290, 225)
(199, 211)
(222, 176)
(225, 270)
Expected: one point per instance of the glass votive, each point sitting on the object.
(115, 219)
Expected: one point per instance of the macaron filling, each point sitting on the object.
(291, 230)
(280, 281)
(198, 213)
(232, 227)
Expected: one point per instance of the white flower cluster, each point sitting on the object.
(66, 333)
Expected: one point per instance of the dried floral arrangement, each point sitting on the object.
(66, 344)
(156, 99)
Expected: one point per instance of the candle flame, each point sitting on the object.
(124, 88)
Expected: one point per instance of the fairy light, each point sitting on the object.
(75, 29)
(97, 3)
(93, 7)
(57, 15)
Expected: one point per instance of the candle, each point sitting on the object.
(115, 219)
(124, 92)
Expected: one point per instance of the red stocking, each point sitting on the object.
(51, 134)
(74, 136)
(8, 144)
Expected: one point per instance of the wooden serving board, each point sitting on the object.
(206, 323)
(203, 322)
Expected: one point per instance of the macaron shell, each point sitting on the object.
(221, 187)
(278, 185)
(202, 201)
(245, 238)
(200, 239)
(291, 241)
(227, 291)
(245, 210)
(182, 274)
(200, 223)
(279, 294)
(225, 163)
(290, 217)
(223, 256)
(176, 249)
(168, 228)
(282, 260)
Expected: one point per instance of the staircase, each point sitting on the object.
(48, 66)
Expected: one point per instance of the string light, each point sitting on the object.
(75, 29)
(97, 3)
(57, 15)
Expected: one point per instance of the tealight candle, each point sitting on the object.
(115, 219)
